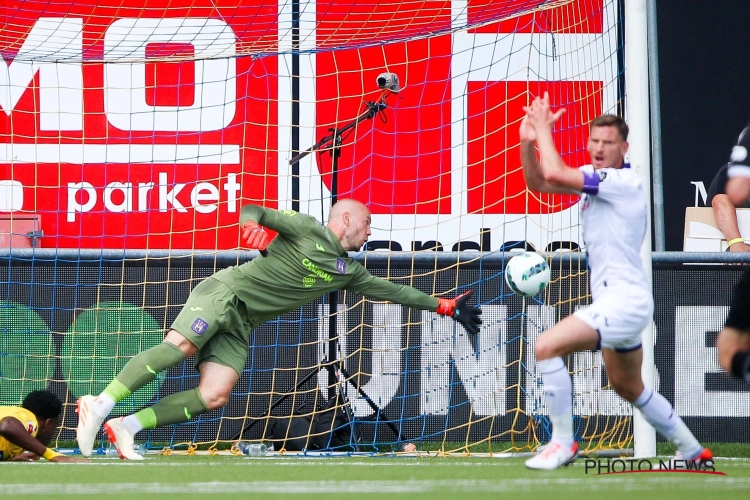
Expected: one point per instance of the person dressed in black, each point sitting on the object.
(733, 342)
(725, 211)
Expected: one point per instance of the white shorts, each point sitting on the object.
(620, 315)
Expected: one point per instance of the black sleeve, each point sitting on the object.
(718, 184)
(739, 310)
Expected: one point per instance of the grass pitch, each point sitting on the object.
(227, 476)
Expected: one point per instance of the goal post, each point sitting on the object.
(639, 120)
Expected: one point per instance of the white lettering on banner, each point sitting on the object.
(79, 154)
(11, 195)
(215, 78)
(385, 371)
(482, 371)
(591, 398)
(448, 230)
(169, 196)
(700, 191)
(127, 197)
(82, 196)
(693, 360)
(53, 48)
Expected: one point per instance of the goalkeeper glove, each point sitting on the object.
(459, 309)
(254, 236)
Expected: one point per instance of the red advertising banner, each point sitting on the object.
(148, 123)
(140, 124)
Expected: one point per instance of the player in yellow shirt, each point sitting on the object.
(25, 430)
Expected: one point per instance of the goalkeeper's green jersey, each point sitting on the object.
(305, 261)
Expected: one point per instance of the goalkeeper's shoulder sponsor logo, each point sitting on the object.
(290, 213)
(310, 266)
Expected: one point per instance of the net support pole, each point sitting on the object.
(637, 109)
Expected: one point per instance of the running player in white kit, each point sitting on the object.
(613, 217)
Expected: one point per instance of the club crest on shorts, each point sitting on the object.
(199, 326)
(341, 266)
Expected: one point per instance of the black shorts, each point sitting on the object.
(739, 312)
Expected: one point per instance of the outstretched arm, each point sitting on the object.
(549, 174)
(457, 308)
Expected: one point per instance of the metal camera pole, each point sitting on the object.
(335, 140)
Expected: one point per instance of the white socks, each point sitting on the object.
(132, 423)
(558, 393)
(659, 413)
(103, 405)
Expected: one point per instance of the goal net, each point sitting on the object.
(133, 132)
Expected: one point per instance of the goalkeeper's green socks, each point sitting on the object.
(139, 371)
(174, 409)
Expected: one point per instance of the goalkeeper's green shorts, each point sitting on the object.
(216, 322)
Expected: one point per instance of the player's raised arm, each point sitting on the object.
(549, 174)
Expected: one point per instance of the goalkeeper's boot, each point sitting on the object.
(122, 438)
(553, 455)
(704, 459)
(89, 424)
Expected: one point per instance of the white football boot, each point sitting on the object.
(122, 438)
(89, 424)
(704, 460)
(553, 455)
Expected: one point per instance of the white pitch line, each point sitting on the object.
(359, 487)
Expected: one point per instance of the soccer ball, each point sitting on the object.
(527, 274)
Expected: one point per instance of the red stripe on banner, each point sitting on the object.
(401, 165)
(495, 176)
(579, 16)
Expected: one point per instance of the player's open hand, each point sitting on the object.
(254, 236)
(459, 309)
(526, 132)
(25, 456)
(539, 113)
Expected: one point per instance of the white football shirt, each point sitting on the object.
(613, 217)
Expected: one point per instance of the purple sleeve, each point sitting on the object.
(590, 183)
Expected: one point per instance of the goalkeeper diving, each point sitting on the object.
(304, 261)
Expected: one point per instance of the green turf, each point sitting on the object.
(354, 477)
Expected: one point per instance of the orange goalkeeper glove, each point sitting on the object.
(254, 236)
(459, 309)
